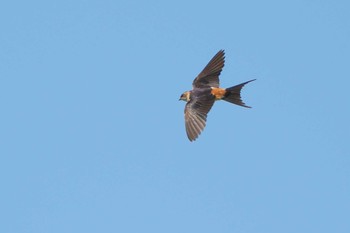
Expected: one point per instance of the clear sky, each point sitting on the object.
(92, 135)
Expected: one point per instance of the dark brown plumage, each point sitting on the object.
(205, 92)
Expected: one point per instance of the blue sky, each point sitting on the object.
(92, 133)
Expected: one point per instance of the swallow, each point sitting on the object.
(206, 90)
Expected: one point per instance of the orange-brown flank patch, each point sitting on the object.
(218, 92)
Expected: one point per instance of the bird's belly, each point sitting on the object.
(219, 93)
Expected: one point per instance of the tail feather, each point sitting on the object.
(233, 94)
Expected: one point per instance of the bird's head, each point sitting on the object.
(185, 96)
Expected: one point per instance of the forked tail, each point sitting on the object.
(233, 94)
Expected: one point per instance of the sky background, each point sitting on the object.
(92, 135)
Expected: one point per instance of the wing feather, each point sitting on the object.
(209, 77)
(196, 111)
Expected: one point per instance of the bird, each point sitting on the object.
(205, 91)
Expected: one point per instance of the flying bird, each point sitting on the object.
(206, 90)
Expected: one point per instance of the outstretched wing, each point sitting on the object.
(209, 77)
(196, 111)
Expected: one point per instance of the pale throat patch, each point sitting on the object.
(187, 96)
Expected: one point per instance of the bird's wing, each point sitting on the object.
(196, 111)
(209, 77)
